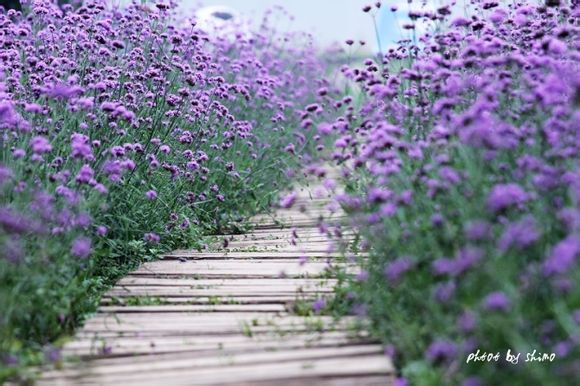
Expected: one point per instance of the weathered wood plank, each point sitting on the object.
(307, 371)
(154, 345)
(218, 283)
(202, 360)
(251, 255)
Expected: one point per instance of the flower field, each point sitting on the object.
(462, 172)
(125, 135)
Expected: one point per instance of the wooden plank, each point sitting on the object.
(218, 283)
(234, 268)
(190, 363)
(97, 332)
(253, 307)
(308, 370)
(288, 301)
(154, 345)
(207, 293)
(250, 255)
(212, 341)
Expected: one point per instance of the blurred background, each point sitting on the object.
(329, 21)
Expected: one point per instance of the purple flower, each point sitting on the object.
(10, 119)
(395, 269)
(151, 195)
(152, 238)
(576, 316)
(319, 305)
(401, 382)
(562, 256)
(466, 258)
(81, 147)
(477, 230)
(289, 200)
(81, 247)
(362, 276)
(443, 292)
(85, 175)
(472, 381)
(520, 234)
(52, 354)
(40, 145)
(444, 266)
(11, 250)
(460, 22)
(63, 91)
(497, 301)
(388, 210)
(437, 220)
(503, 196)
(441, 351)
(101, 230)
(5, 174)
(467, 322)
(19, 153)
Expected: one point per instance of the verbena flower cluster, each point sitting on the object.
(464, 161)
(122, 134)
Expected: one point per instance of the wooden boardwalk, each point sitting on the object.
(234, 314)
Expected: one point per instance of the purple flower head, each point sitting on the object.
(152, 238)
(401, 382)
(472, 381)
(151, 195)
(376, 195)
(450, 175)
(289, 200)
(52, 354)
(81, 247)
(362, 276)
(477, 230)
(81, 147)
(319, 305)
(497, 301)
(503, 196)
(437, 220)
(388, 209)
(444, 266)
(443, 292)
(5, 174)
(520, 234)
(12, 250)
(460, 22)
(467, 322)
(40, 145)
(85, 175)
(576, 316)
(466, 258)
(563, 256)
(395, 269)
(19, 153)
(63, 91)
(441, 351)
(101, 230)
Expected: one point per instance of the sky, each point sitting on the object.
(328, 20)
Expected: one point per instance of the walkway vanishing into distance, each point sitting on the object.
(235, 314)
